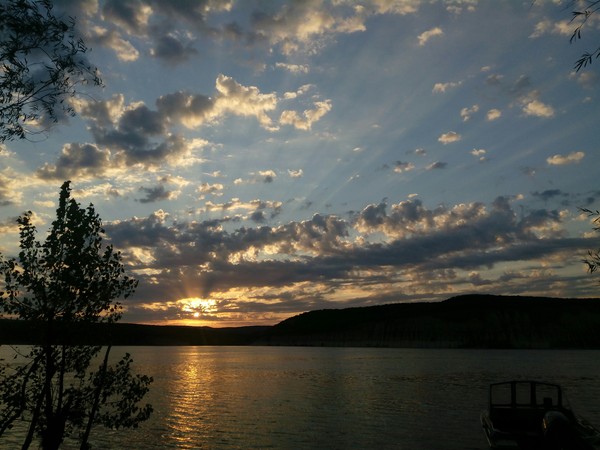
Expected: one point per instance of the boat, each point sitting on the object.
(534, 415)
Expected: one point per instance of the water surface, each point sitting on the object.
(336, 398)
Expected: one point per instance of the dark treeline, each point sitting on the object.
(470, 321)
(22, 332)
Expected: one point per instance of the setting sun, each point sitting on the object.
(198, 306)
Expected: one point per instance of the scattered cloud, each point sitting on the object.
(546, 26)
(587, 79)
(293, 68)
(293, 104)
(479, 154)
(449, 137)
(561, 160)
(462, 240)
(124, 50)
(493, 114)
(440, 88)
(548, 194)
(212, 189)
(427, 35)
(172, 49)
(494, 79)
(538, 109)
(133, 134)
(157, 193)
(268, 176)
(437, 165)
(308, 117)
(400, 166)
(466, 113)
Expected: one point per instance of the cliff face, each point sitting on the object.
(472, 321)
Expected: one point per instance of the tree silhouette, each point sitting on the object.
(593, 257)
(42, 65)
(62, 284)
(583, 16)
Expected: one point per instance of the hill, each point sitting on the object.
(469, 321)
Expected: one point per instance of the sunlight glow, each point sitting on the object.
(198, 306)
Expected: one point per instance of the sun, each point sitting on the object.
(198, 306)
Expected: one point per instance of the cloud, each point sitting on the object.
(401, 7)
(400, 166)
(479, 153)
(521, 84)
(561, 160)
(449, 137)
(493, 114)
(443, 87)
(170, 48)
(11, 188)
(466, 113)
(494, 79)
(300, 91)
(133, 16)
(561, 28)
(426, 35)
(587, 79)
(171, 28)
(537, 109)
(214, 189)
(293, 68)
(437, 165)
(88, 161)
(411, 244)
(156, 194)
(268, 175)
(242, 100)
(102, 113)
(9, 225)
(135, 135)
(124, 50)
(548, 194)
(191, 110)
(295, 173)
(81, 161)
(300, 26)
(235, 204)
(308, 117)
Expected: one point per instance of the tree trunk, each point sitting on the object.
(96, 404)
(34, 420)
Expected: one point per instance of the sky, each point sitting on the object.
(253, 160)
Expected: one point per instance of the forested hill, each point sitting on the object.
(470, 321)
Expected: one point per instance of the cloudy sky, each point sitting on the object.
(257, 159)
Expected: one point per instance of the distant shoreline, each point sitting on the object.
(469, 321)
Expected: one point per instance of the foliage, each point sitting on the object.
(583, 16)
(69, 278)
(593, 258)
(42, 63)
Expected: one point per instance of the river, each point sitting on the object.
(334, 398)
